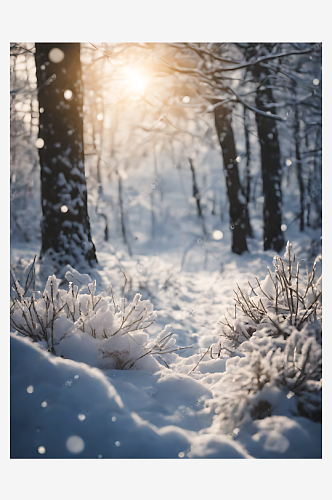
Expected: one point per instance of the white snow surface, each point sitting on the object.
(116, 414)
(151, 411)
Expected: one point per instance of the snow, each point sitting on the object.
(159, 412)
(194, 406)
(81, 403)
(91, 412)
(111, 427)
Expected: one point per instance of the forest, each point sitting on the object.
(166, 250)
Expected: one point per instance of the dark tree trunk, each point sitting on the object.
(65, 223)
(318, 179)
(271, 169)
(307, 203)
(248, 176)
(195, 188)
(237, 209)
(299, 167)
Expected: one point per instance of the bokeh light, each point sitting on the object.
(68, 95)
(56, 55)
(75, 444)
(218, 235)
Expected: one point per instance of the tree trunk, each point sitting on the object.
(299, 167)
(195, 189)
(65, 223)
(318, 179)
(271, 170)
(248, 176)
(237, 209)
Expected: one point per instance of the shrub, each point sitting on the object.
(255, 385)
(56, 314)
(282, 301)
(275, 349)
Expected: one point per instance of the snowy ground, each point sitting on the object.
(70, 408)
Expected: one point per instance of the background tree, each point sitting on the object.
(237, 209)
(148, 104)
(270, 151)
(66, 234)
(248, 77)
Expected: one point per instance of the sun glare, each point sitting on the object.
(136, 80)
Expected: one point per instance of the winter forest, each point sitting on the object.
(165, 250)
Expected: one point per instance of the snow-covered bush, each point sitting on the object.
(282, 301)
(274, 349)
(66, 321)
(286, 379)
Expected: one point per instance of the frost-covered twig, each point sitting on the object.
(59, 313)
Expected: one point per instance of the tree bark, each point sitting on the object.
(299, 167)
(271, 170)
(65, 224)
(195, 188)
(248, 176)
(237, 209)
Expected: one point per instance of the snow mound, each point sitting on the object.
(64, 409)
(60, 406)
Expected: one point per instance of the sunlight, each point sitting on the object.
(136, 80)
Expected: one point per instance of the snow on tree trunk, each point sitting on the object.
(237, 209)
(65, 224)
